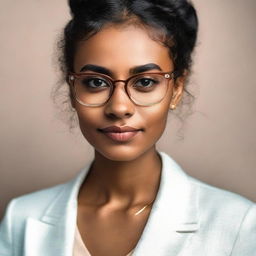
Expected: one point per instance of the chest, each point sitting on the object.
(112, 233)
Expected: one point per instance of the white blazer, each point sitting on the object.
(188, 218)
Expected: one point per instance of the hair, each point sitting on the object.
(174, 23)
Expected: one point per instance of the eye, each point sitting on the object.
(94, 82)
(145, 84)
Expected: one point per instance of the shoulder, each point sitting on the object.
(229, 217)
(218, 199)
(209, 197)
(47, 201)
(35, 203)
(206, 189)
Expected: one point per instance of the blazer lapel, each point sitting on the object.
(174, 214)
(53, 234)
(172, 221)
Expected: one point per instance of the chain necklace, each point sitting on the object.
(143, 208)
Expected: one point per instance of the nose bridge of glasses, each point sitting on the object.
(123, 88)
(123, 84)
(119, 81)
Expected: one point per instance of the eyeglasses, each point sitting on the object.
(145, 89)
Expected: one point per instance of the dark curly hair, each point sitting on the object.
(174, 23)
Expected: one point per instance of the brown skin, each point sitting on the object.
(124, 176)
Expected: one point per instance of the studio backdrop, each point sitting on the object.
(215, 143)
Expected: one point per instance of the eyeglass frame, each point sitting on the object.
(71, 78)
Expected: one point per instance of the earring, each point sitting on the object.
(173, 106)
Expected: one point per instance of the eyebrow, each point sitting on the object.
(132, 71)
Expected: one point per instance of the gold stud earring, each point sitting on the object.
(173, 106)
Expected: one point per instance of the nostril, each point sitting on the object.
(128, 114)
(113, 115)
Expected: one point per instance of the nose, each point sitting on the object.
(119, 105)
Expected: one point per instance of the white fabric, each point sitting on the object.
(80, 248)
(187, 218)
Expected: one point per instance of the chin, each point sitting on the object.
(118, 154)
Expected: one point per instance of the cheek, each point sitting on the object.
(156, 121)
(88, 121)
(156, 117)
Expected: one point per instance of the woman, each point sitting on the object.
(126, 64)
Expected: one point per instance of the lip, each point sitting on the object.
(120, 134)
(119, 129)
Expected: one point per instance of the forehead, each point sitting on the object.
(120, 48)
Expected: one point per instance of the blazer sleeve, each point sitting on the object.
(246, 240)
(6, 239)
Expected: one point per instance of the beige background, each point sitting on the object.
(219, 145)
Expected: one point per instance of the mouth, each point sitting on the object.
(120, 134)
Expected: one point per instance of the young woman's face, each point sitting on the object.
(119, 50)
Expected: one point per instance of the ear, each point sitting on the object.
(178, 89)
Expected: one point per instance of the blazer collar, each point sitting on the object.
(53, 234)
(173, 217)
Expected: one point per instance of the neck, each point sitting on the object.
(122, 182)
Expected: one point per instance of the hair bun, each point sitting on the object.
(76, 6)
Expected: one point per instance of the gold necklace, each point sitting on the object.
(143, 208)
